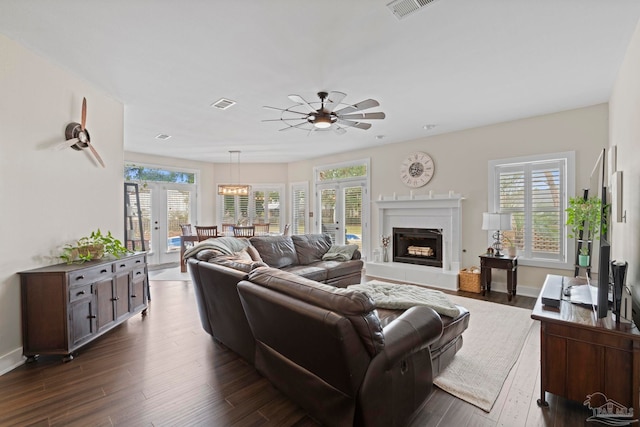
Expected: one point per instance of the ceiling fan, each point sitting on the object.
(77, 136)
(326, 117)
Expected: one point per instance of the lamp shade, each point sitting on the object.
(496, 221)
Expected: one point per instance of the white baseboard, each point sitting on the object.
(11, 360)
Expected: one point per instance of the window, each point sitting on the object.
(262, 205)
(299, 207)
(535, 191)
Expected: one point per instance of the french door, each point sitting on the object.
(165, 206)
(342, 211)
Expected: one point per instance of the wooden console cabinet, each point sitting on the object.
(581, 354)
(65, 306)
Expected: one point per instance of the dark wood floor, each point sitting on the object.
(163, 369)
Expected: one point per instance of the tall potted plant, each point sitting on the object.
(584, 215)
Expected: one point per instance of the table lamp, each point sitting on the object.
(496, 221)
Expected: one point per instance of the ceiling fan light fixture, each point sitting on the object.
(322, 122)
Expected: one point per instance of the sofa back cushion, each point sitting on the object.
(275, 251)
(356, 306)
(311, 247)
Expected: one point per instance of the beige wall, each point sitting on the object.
(461, 160)
(48, 197)
(624, 111)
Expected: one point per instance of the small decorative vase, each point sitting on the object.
(385, 254)
(583, 260)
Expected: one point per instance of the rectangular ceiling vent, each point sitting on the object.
(223, 103)
(163, 137)
(403, 8)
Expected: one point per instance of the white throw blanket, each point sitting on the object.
(224, 245)
(401, 296)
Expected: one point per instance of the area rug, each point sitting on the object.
(491, 346)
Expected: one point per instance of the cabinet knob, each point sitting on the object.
(134, 296)
(81, 293)
(123, 265)
(103, 271)
(80, 277)
(115, 299)
(91, 316)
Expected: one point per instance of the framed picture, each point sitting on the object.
(615, 182)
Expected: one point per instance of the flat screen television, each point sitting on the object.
(601, 248)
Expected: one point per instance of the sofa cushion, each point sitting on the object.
(313, 272)
(311, 247)
(237, 262)
(275, 251)
(340, 268)
(354, 305)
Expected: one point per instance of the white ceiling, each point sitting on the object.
(455, 63)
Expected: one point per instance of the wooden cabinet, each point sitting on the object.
(65, 306)
(582, 354)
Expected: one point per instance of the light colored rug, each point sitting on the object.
(491, 345)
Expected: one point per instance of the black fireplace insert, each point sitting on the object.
(422, 246)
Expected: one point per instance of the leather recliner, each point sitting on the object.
(325, 348)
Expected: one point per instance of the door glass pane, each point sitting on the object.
(328, 212)
(353, 215)
(260, 214)
(178, 212)
(273, 210)
(145, 207)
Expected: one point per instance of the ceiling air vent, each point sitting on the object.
(163, 136)
(403, 8)
(223, 103)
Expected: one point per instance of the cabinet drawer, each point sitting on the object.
(77, 293)
(138, 273)
(128, 264)
(90, 275)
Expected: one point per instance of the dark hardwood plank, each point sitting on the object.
(163, 369)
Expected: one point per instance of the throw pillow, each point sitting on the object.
(253, 253)
(340, 253)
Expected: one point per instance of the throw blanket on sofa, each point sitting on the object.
(224, 245)
(401, 296)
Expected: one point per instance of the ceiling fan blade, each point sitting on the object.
(363, 116)
(333, 100)
(299, 100)
(337, 129)
(284, 109)
(65, 144)
(363, 105)
(283, 120)
(84, 113)
(95, 153)
(359, 125)
(298, 126)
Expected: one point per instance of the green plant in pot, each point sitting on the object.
(94, 246)
(583, 220)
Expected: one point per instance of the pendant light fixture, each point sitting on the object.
(234, 189)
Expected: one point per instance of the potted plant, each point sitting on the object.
(584, 257)
(94, 246)
(583, 220)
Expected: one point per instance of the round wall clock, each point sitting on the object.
(417, 169)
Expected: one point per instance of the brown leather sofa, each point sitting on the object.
(216, 274)
(327, 349)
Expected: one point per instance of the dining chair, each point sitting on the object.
(262, 229)
(206, 232)
(187, 230)
(244, 231)
(227, 229)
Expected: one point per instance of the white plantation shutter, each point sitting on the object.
(299, 207)
(534, 194)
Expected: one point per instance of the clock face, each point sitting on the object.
(417, 169)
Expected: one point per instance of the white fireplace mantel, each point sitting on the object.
(442, 212)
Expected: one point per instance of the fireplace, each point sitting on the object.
(421, 246)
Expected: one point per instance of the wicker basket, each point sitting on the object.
(470, 280)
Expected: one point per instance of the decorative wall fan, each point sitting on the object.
(77, 136)
(322, 116)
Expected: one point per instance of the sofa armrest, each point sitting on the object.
(357, 254)
(416, 328)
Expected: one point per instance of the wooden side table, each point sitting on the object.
(504, 262)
